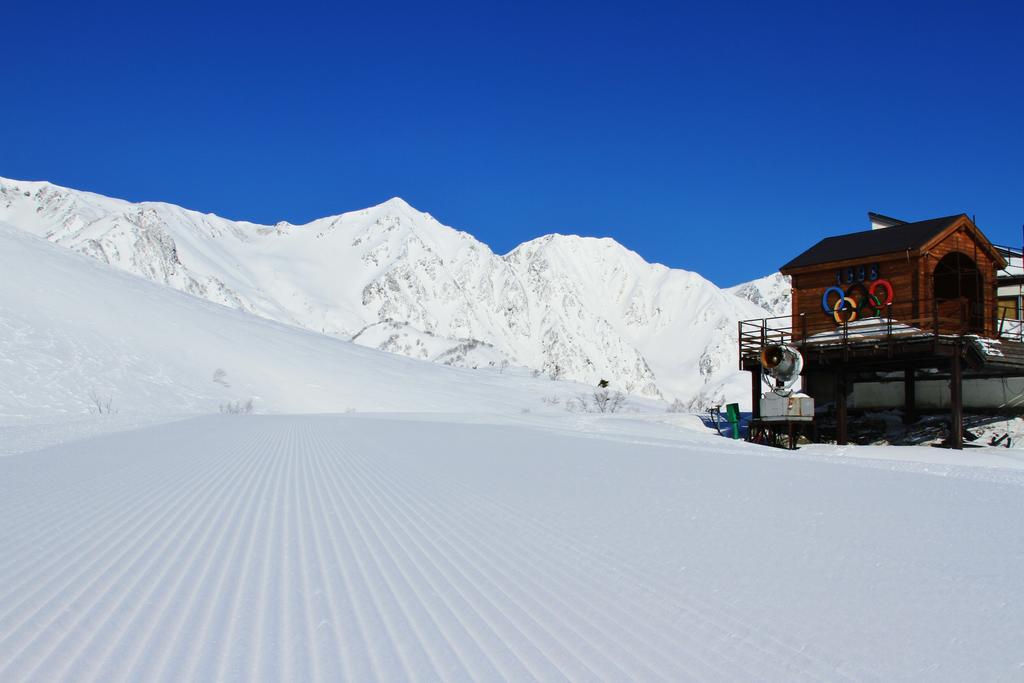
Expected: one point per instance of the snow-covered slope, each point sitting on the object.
(658, 328)
(419, 548)
(73, 331)
(464, 540)
(394, 278)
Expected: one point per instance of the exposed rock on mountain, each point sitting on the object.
(394, 278)
(773, 293)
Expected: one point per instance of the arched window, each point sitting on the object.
(959, 295)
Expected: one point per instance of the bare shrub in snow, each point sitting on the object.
(221, 377)
(535, 372)
(503, 365)
(600, 401)
(556, 372)
(605, 401)
(101, 405)
(579, 404)
(677, 406)
(236, 407)
(551, 400)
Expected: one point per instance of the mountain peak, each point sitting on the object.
(586, 306)
(396, 203)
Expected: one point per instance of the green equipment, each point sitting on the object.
(732, 414)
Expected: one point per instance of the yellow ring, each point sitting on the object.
(838, 309)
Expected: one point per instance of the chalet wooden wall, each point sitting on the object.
(962, 240)
(809, 286)
(911, 277)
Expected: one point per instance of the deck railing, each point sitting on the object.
(1010, 328)
(1014, 260)
(885, 327)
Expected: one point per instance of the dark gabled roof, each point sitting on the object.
(873, 242)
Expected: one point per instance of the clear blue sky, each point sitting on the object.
(722, 138)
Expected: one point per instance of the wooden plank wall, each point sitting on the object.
(911, 278)
(809, 287)
(963, 241)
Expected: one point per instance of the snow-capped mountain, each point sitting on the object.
(394, 278)
(76, 334)
(773, 293)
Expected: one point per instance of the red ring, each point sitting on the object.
(888, 290)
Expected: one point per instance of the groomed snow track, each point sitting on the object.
(328, 548)
(286, 550)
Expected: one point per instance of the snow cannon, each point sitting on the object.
(780, 366)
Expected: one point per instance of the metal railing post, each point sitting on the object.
(846, 340)
(739, 336)
(888, 328)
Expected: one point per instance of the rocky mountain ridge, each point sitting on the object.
(394, 278)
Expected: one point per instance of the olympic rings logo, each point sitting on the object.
(857, 301)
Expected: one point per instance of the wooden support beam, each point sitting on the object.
(841, 427)
(909, 395)
(755, 391)
(956, 403)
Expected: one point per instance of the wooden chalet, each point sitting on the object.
(904, 301)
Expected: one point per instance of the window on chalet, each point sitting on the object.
(958, 291)
(1009, 308)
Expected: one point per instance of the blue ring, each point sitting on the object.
(824, 299)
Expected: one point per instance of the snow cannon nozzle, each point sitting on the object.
(781, 365)
(772, 356)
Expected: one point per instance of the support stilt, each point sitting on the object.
(956, 402)
(909, 395)
(755, 392)
(841, 433)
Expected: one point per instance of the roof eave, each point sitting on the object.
(963, 220)
(886, 255)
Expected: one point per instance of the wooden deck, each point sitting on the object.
(878, 342)
(860, 351)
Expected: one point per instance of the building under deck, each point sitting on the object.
(910, 314)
